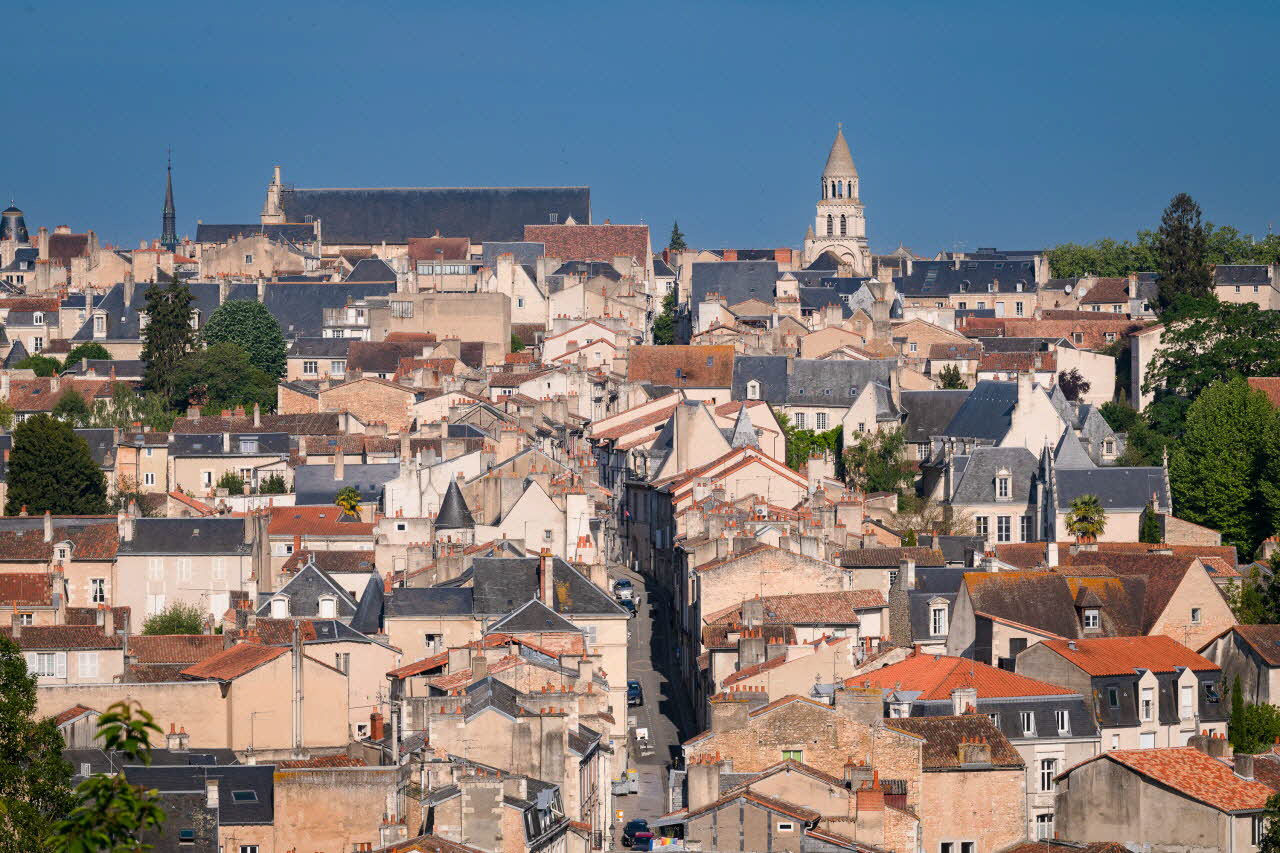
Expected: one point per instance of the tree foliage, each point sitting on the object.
(949, 378)
(71, 408)
(1252, 728)
(249, 325)
(232, 482)
(676, 243)
(1221, 341)
(664, 325)
(1108, 258)
(51, 469)
(1086, 519)
(1181, 248)
(167, 336)
(1255, 599)
(177, 618)
(222, 377)
(1149, 525)
(517, 345)
(803, 443)
(109, 814)
(1270, 840)
(35, 783)
(1225, 472)
(273, 485)
(348, 499)
(915, 513)
(877, 462)
(92, 350)
(1073, 384)
(43, 365)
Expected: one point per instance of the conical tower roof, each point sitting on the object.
(839, 161)
(454, 514)
(744, 432)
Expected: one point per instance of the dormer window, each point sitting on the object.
(328, 607)
(753, 390)
(1004, 485)
(1018, 287)
(38, 319)
(1092, 619)
(964, 286)
(938, 617)
(280, 607)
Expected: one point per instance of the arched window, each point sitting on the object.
(280, 607)
(753, 390)
(824, 190)
(328, 607)
(833, 189)
(830, 224)
(839, 189)
(843, 226)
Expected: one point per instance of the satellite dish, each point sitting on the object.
(1067, 289)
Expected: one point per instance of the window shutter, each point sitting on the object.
(31, 662)
(60, 662)
(87, 665)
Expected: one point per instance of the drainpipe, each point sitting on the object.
(297, 690)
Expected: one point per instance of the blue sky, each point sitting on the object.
(1013, 125)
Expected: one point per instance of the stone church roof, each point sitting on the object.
(840, 160)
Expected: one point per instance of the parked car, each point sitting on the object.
(643, 841)
(623, 590)
(637, 826)
(635, 695)
(628, 605)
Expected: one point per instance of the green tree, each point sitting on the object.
(1073, 384)
(517, 345)
(177, 618)
(110, 814)
(35, 783)
(1086, 520)
(168, 336)
(349, 499)
(51, 469)
(1150, 530)
(91, 350)
(273, 485)
(71, 408)
(41, 364)
(877, 462)
(804, 443)
(127, 408)
(949, 377)
(1255, 727)
(909, 539)
(1253, 599)
(222, 377)
(1225, 470)
(128, 495)
(1181, 253)
(1217, 343)
(232, 482)
(249, 325)
(664, 325)
(676, 243)
(1121, 417)
(1270, 840)
(1106, 257)
(6, 415)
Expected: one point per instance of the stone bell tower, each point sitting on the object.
(841, 225)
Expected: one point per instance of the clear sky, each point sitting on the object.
(979, 124)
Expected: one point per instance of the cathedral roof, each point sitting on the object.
(839, 161)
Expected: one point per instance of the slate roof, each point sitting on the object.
(194, 444)
(938, 278)
(1103, 656)
(289, 232)
(258, 778)
(977, 484)
(381, 356)
(304, 590)
(1241, 274)
(735, 281)
(532, 616)
(929, 412)
(943, 736)
(769, 370)
(1263, 639)
(369, 216)
(319, 347)
(429, 601)
(818, 382)
(218, 536)
(503, 583)
(986, 412)
(316, 485)
(454, 514)
(299, 307)
(1041, 600)
(1116, 488)
(371, 270)
(1193, 774)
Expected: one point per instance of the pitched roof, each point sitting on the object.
(1040, 600)
(315, 521)
(809, 608)
(1123, 655)
(698, 366)
(234, 662)
(935, 676)
(439, 248)
(30, 589)
(63, 637)
(1263, 639)
(346, 562)
(1107, 290)
(591, 242)
(891, 557)
(310, 423)
(943, 736)
(1192, 773)
(1028, 555)
(175, 648)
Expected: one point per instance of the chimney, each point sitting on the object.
(48, 526)
(17, 626)
(974, 751)
(728, 712)
(249, 525)
(479, 666)
(1243, 763)
(339, 458)
(211, 793)
(226, 442)
(1051, 553)
(107, 619)
(377, 730)
(753, 612)
(751, 647)
(963, 700)
(546, 585)
(176, 741)
(257, 416)
(703, 781)
(865, 704)
(907, 570)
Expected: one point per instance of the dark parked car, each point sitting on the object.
(635, 696)
(639, 825)
(628, 605)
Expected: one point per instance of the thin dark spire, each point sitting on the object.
(169, 227)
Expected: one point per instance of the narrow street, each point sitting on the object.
(665, 714)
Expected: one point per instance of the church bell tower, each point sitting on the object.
(840, 227)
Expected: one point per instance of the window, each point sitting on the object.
(244, 797)
(1195, 616)
(519, 301)
(1148, 703)
(1028, 723)
(342, 660)
(250, 848)
(1024, 528)
(87, 664)
(995, 719)
(1017, 308)
(546, 535)
(554, 219)
(1115, 741)
(1109, 447)
(206, 479)
(1064, 722)
(788, 827)
(793, 755)
(1048, 769)
(155, 568)
(46, 663)
(1092, 619)
(338, 367)
(1188, 696)
(433, 641)
(328, 607)
(310, 368)
(37, 344)
(218, 568)
(938, 620)
(1003, 486)
(155, 603)
(830, 225)
(753, 390)
(980, 525)
(248, 259)
(801, 420)
(1078, 337)
(1257, 830)
(911, 347)
(1004, 524)
(1110, 337)
(99, 324)
(38, 319)
(279, 608)
(249, 445)
(184, 569)
(1113, 697)
(820, 420)
(843, 226)
(148, 479)
(98, 590)
(1210, 691)
(186, 836)
(962, 305)
(1147, 740)
(401, 309)
(1044, 826)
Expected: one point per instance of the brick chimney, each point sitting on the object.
(546, 578)
(377, 726)
(728, 712)
(974, 751)
(176, 739)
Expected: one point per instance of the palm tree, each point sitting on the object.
(1086, 520)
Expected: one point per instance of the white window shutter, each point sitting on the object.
(60, 661)
(87, 665)
(31, 662)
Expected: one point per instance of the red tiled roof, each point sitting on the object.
(937, 675)
(71, 713)
(943, 736)
(1263, 639)
(891, 557)
(1093, 330)
(234, 662)
(1269, 385)
(451, 248)
(1107, 290)
(30, 303)
(175, 648)
(954, 352)
(809, 608)
(314, 521)
(26, 589)
(339, 760)
(1028, 555)
(658, 364)
(1193, 773)
(420, 666)
(38, 394)
(331, 561)
(1122, 655)
(62, 637)
(591, 242)
(1018, 361)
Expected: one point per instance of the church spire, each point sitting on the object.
(840, 160)
(169, 229)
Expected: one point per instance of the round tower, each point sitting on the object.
(840, 227)
(13, 226)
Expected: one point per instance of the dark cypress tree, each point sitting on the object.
(1149, 526)
(676, 243)
(1181, 246)
(168, 336)
(51, 469)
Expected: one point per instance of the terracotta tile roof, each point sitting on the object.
(809, 608)
(1269, 385)
(1123, 655)
(1028, 555)
(943, 736)
(782, 806)
(175, 648)
(699, 366)
(1220, 568)
(88, 542)
(1054, 846)
(717, 636)
(234, 662)
(427, 844)
(156, 673)
(380, 356)
(339, 760)
(314, 521)
(1093, 330)
(304, 423)
(421, 337)
(510, 379)
(38, 395)
(71, 713)
(30, 303)
(1018, 361)
(953, 352)
(891, 557)
(26, 589)
(591, 242)
(451, 248)
(1107, 290)
(1191, 772)
(420, 666)
(63, 637)
(779, 661)
(198, 506)
(937, 675)
(331, 561)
